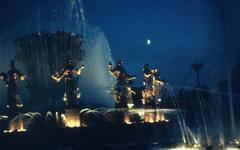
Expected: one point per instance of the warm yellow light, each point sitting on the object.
(22, 78)
(16, 127)
(71, 119)
(143, 101)
(232, 148)
(21, 130)
(65, 97)
(130, 105)
(160, 117)
(197, 145)
(21, 127)
(57, 77)
(72, 123)
(149, 117)
(78, 94)
(127, 119)
(19, 105)
(78, 71)
(184, 148)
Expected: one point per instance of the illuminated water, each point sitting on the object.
(67, 16)
(208, 122)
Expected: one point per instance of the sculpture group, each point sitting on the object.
(122, 90)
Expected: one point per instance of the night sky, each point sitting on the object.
(181, 33)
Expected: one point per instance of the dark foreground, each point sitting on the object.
(135, 136)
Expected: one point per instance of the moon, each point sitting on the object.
(148, 42)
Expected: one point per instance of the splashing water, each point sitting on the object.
(68, 16)
(24, 122)
(96, 77)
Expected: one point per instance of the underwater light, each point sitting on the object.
(196, 146)
(16, 128)
(130, 105)
(232, 148)
(71, 119)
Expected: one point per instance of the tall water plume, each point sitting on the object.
(51, 17)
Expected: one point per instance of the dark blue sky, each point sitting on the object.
(181, 33)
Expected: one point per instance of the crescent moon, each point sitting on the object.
(148, 42)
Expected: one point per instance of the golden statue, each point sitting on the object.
(68, 73)
(152, 86)
(11, 79)
(122, 90)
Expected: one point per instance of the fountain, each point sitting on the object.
(43, 41)
(43, 54)
(190, 119)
